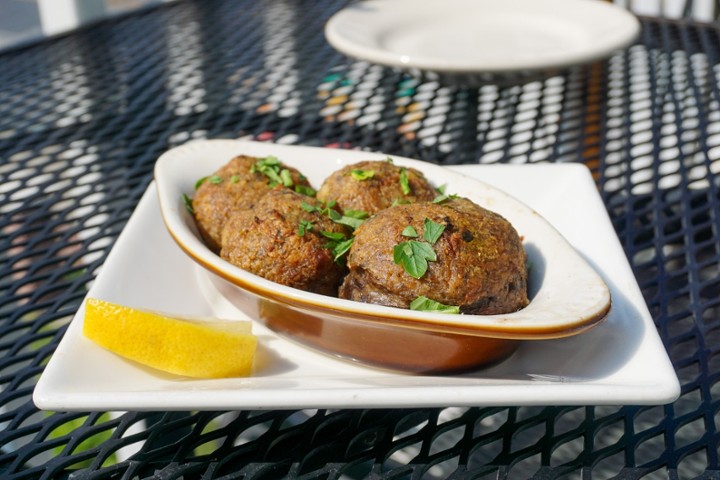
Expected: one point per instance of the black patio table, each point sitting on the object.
(85, 115)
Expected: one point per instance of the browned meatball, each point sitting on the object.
(280, 240)
(371, 186)
(239, 184)
(480, 263)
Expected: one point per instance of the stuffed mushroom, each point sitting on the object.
(238, 185)
(455, 253)
(285, 238)
(371, 186)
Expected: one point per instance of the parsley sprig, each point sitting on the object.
(304, 226)
(442, 196)
(272, 168)
(187, 201)
(277, 175)
(425, 304)
(404, 182)
(414, 255)
(360, 175)
(351, 218)
(338, 243)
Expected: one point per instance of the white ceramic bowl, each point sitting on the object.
(567, 295)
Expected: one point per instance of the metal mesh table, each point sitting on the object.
(84, 116)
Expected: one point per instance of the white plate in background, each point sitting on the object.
(481, 36)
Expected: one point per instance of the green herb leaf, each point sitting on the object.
(442, 195)
(339, 245)
(400, 201)
(215, 179)
(409, 231)
(349, 221)
(270, 167)
(361, 175)
(404, 182)
(200, 182)
(414, 257)
(337, 236)
(234, 179)
(351, 218)
(305, 190)
(187, 201)
(286, 177)
(333, 215)
(304, 226)
(425, 304)
(433, 231)
(359, 214)
(341, 248)
(307, 207)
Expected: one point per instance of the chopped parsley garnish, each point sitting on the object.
(433, 230)
(404, 182)
(425, 304)
(187, 201)
(414, 255)
(272, 168)
(400, 201)
(442, 195)
(234, 179)
(304, 226)
(409, 231)
(215, 179)
(307, 207)
(360, 175)
(305, 190)
(334, 236)
(338, 244)
(351, 218)
(200, 182)
(286, 177)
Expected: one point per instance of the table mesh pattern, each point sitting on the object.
(84, 116)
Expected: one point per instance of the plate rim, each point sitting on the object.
(58, 388)
(334, 34)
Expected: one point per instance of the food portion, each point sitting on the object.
(375, 232)
(285, 238)
(453, 253)
(191, 348)
(371, 186)
(239, 185)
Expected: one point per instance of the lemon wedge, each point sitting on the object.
(189, 347)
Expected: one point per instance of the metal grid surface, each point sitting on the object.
(84, 116)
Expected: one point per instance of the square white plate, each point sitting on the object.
(621, 361)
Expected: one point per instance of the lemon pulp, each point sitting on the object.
(193, 348)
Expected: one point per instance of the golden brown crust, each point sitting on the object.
(233, 186)
(266, 241)
(480, 263)
(377, 192)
